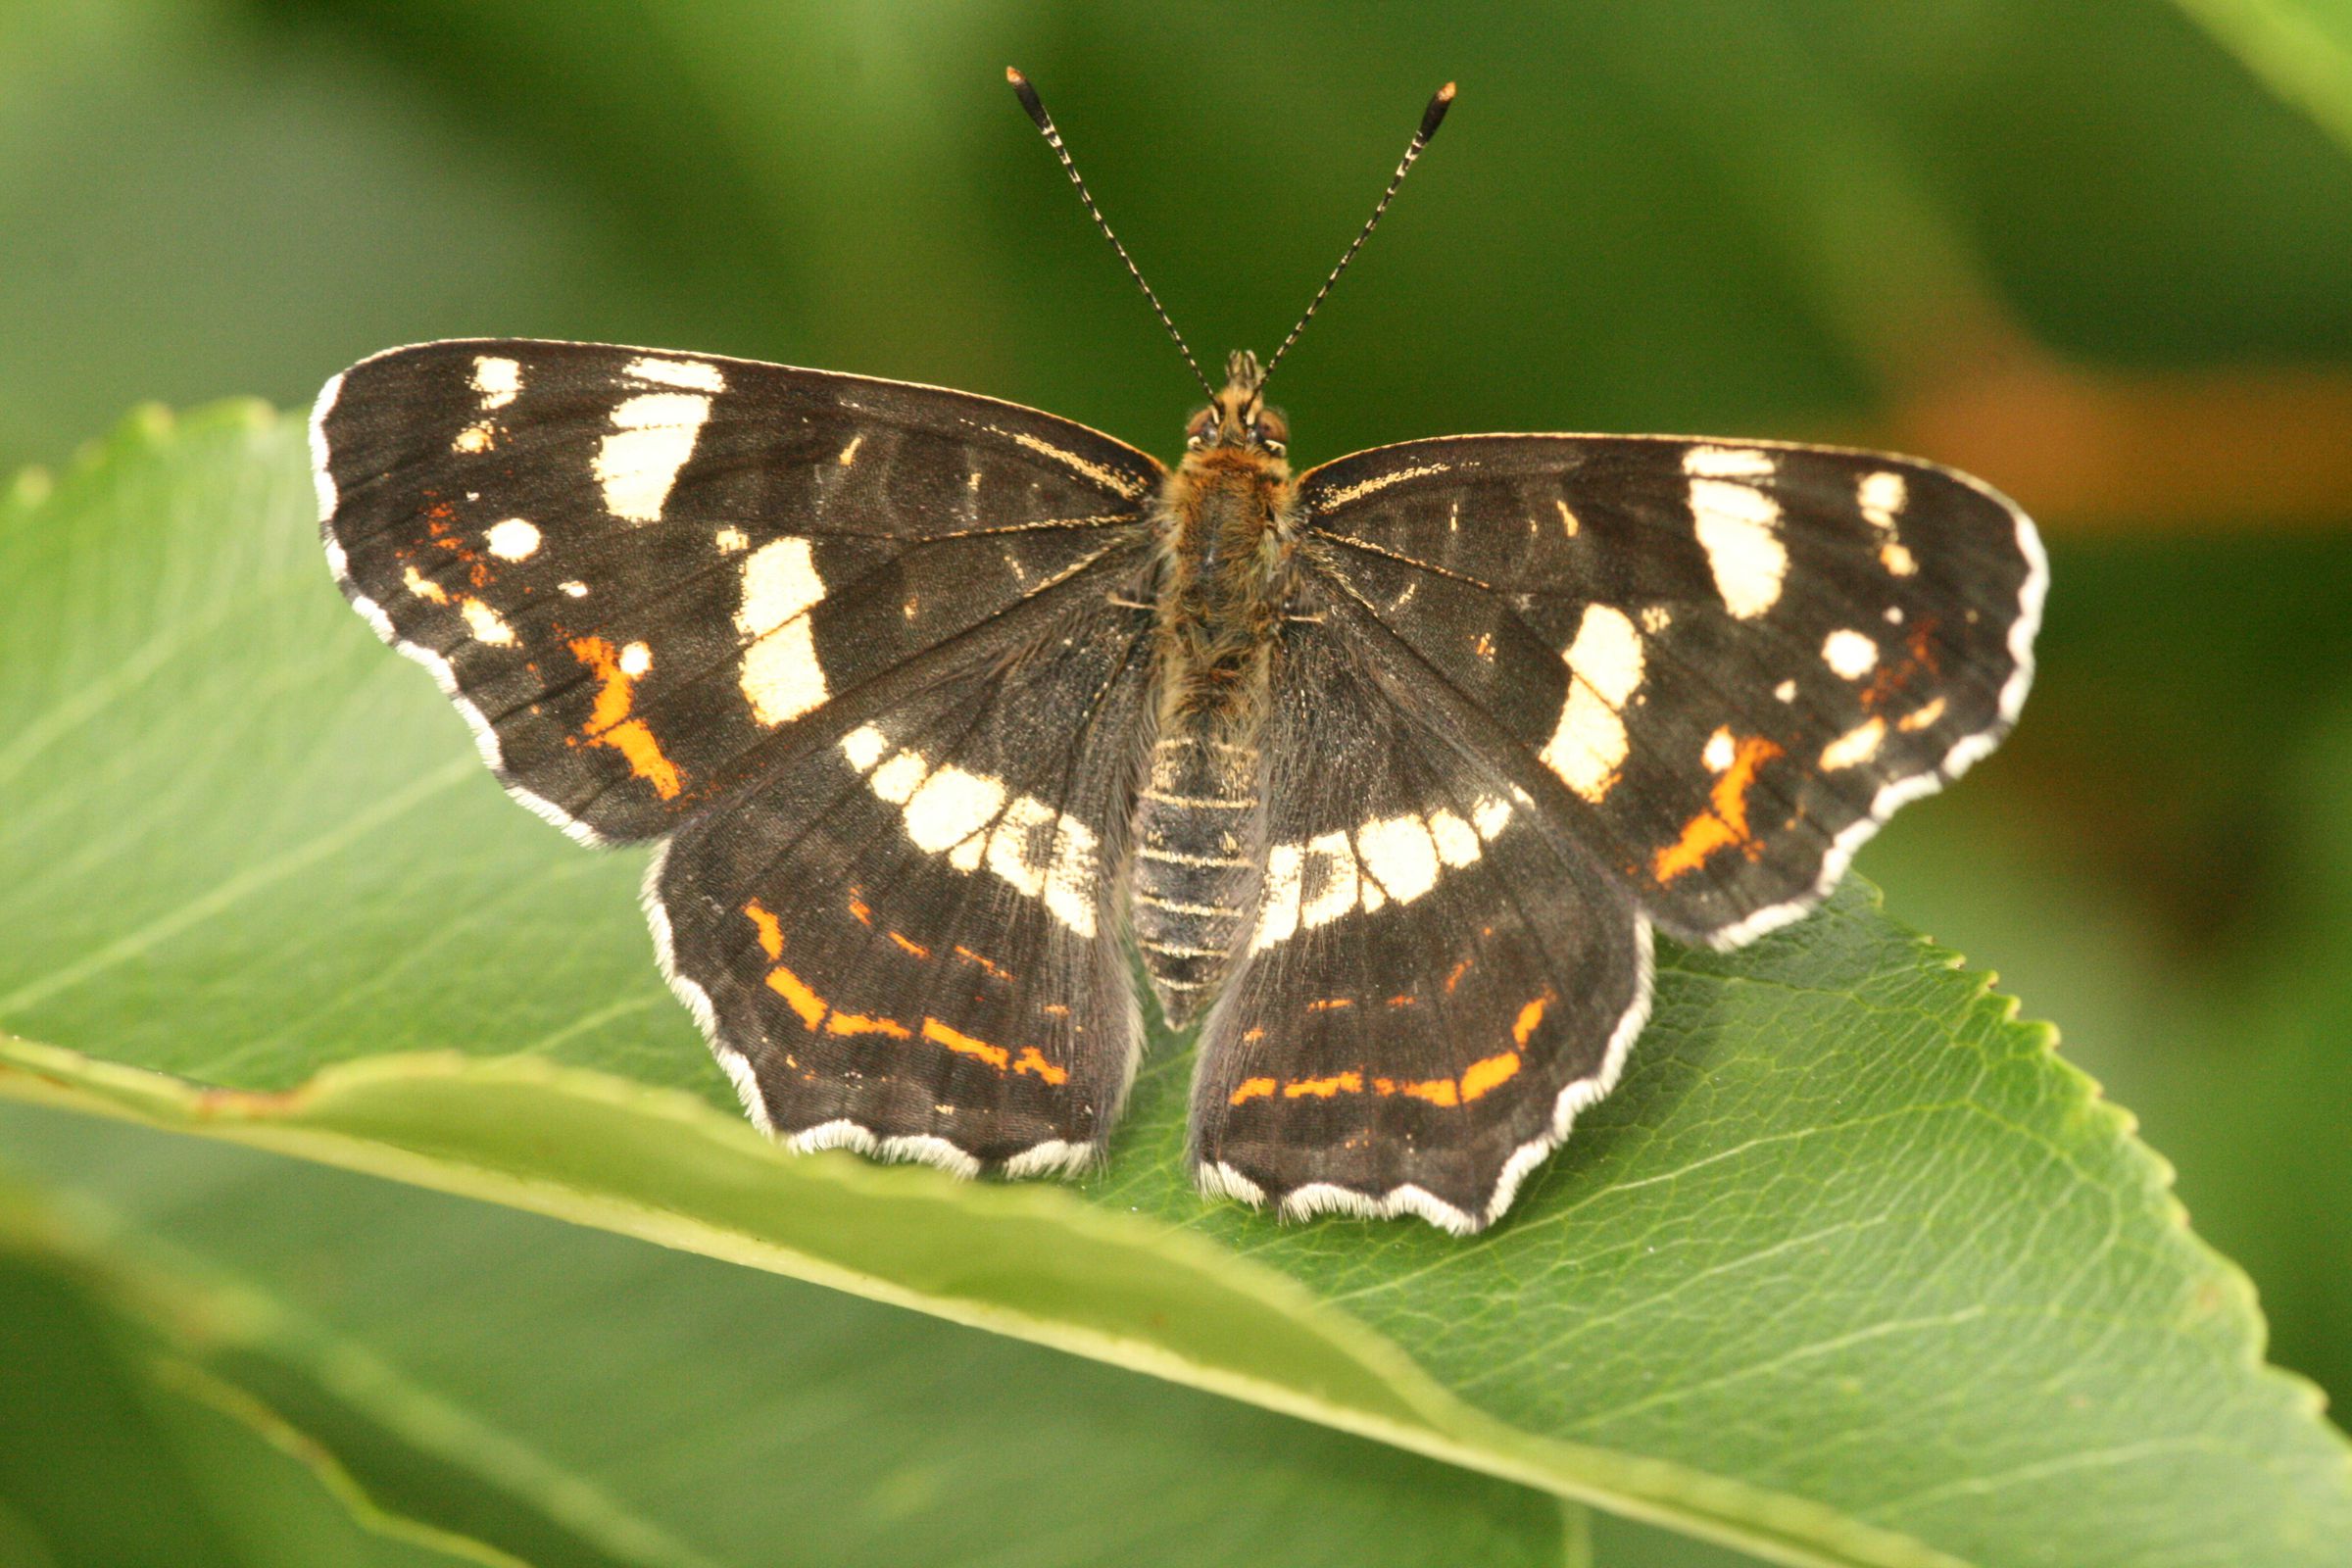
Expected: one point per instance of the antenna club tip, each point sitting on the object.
(1028, 97)
(1435, 115)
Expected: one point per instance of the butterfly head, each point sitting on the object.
(1240, 416)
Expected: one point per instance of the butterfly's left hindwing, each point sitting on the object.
(906, 941)
(1719, 666)
(634, 569)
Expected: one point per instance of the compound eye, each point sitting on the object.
(1273, 430)
(1201, 426)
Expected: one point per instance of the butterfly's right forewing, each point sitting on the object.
(1720, 665)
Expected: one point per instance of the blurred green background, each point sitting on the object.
(2101, 255)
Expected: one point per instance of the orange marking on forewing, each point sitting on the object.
(1480, 1076)
(851, 1023)
(915, 948)
(1329, 1003)
(1352, 1083)
(1725, 821)
(1455, 977)
(1530, 1016)
(1033, 1060)
(1250, 1089)
(1401, 1000)
(965, 1045)
(771, 930)
(608, 721)
(1437, 1091)
(859, 911)
(794, 990)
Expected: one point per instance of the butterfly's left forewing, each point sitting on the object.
(1717, 665)
(848, 645)
(635, 571)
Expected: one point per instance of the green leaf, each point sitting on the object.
(116, 1447)
(1851, 1270)
(556, 1396)
(2300, 49)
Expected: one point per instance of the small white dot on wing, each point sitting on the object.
(1851, 655)
(513, 539)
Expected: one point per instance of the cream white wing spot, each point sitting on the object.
(1850, 655)
(484, 622)
(1785, 691)
(1399, 853)
(573, 590)
(1718, 752)
(731, 541)
(498, 380)
(1920, 718)
(479, 437)
(1881, 495)
(1897, 558)
(976, 821)
(781, 677)
(1456, 841)
(1050, 856)
(1855, 746)
(1329, 884)
(1390, 859)
(693, 375)
(638, 461)
(513, 539)
(1588, 744)
(949, 810)
(1729, 463)
(863, 746)
(636, 658)
(1738, 526)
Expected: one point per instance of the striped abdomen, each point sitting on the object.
(1198, 841)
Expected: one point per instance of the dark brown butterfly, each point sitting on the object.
(1389, 770)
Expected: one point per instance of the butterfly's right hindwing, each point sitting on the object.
(633, 569)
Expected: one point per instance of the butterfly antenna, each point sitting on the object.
(1044, 125)
(1431, 118)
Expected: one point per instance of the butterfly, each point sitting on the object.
(945, 713)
